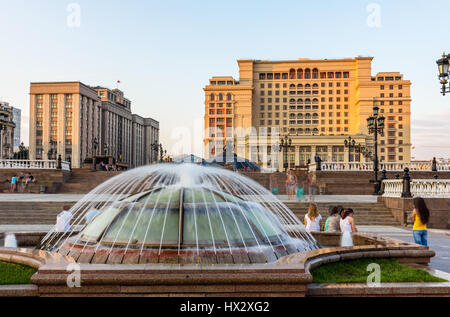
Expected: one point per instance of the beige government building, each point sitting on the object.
(67, 118)
(317, 103)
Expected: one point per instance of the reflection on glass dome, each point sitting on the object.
(200, 216)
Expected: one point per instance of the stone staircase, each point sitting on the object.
(30, 213)
(82, 181)
(46, 212)
(365, 213)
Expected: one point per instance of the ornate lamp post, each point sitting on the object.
(51, 154)
(94, 152)
(350, 144)
(154, 148)
(375, 125)
(443, 66)
(285, 143)
(95, 146)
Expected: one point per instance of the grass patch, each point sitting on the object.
(11, 273)
(355, 271)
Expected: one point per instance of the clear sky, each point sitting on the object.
(164, 52)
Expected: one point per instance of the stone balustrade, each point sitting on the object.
(368, 166)
(33, 164)
(425, 188)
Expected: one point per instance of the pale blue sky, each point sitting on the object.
(164, 52)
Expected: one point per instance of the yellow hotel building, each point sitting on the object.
(317, 103)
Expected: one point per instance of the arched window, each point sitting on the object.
(315, 100)
(308, 116)
(300, 100)
(315, 130)
(228, 96)
(307, 100)
(300, 86)
(300, 115)
(291, 86)
(292, 100)
(308, 130)
(315, 115)
(315, 86)
(211, 97)
(307, 86)
(292, 116)
(307, 73)
(292, 73)
(299, 73)
(292, 130)
(315, 73)
(300, 130)
(220, 97)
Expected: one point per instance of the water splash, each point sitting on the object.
(10, 241)
(180, 213)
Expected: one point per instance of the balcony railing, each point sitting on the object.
(425, 188)
(33, 164)
(389, 167)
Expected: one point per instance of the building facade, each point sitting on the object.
(316, 103)
(7, 127)
(78, 122)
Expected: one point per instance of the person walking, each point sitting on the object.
(333, 221)
(347, 223)
(420, 215)
(312, 219)
(291, 184)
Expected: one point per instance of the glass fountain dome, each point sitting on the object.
(180, 214)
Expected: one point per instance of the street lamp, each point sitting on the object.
(443, 66)
(285, 143)
(350, 144)
(375, 125)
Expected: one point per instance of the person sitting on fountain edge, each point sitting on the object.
(332, 223)
(312, 219)
(347, 223)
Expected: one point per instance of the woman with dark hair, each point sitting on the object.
(420, 215)
(347, 222)
(332, 223)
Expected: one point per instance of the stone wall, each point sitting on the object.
(439, 210)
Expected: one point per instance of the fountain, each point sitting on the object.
(180, 214)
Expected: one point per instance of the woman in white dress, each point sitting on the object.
(347, 223)
(312, 219)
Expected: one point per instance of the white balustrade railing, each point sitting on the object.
(393, 188)
(425, 188)
(368, 166)
(33, 164)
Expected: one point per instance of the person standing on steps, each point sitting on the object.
(420, 215)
